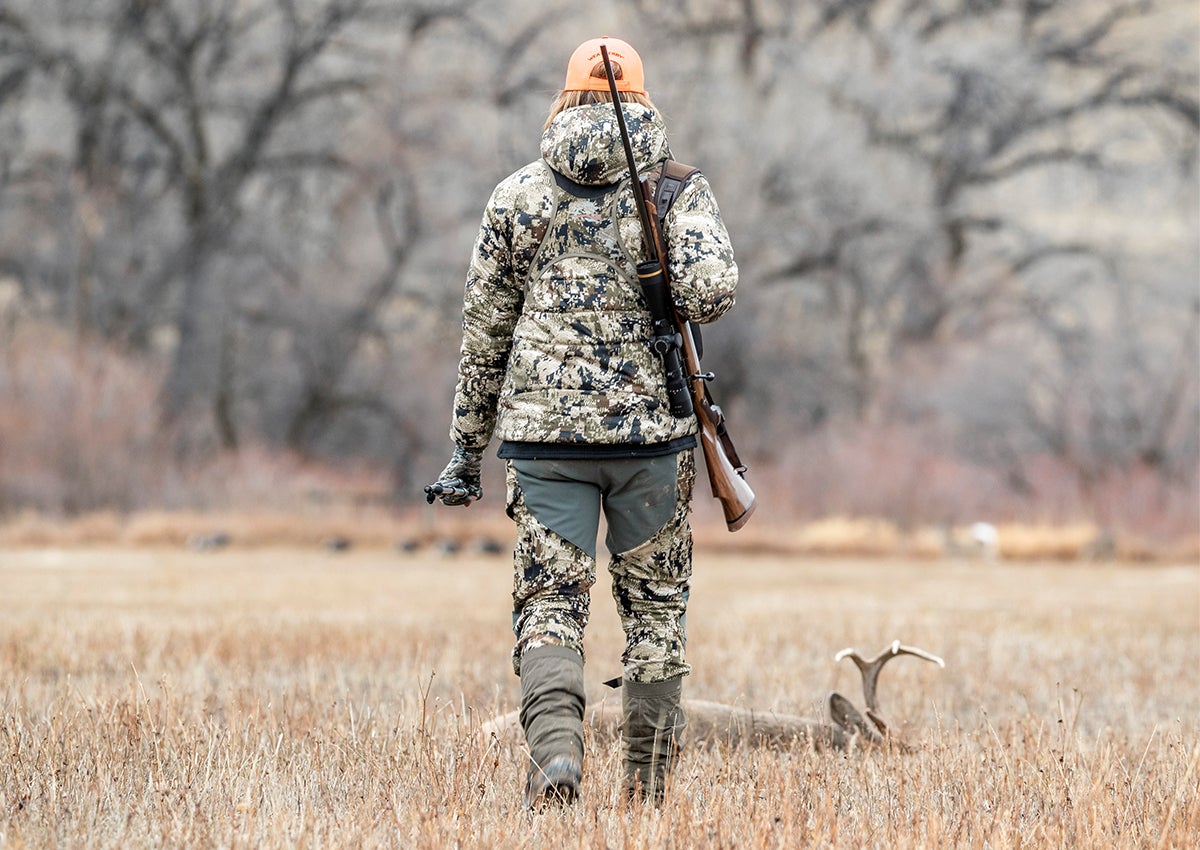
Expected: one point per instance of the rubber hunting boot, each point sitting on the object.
(552, 701)
(652, 730)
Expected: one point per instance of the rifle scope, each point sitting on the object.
(666, 341)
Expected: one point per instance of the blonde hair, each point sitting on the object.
(570, 99)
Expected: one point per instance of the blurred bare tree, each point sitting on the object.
(977, 220)
(187, 122)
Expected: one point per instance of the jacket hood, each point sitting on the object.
(584, 143)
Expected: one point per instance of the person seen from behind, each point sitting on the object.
(556, 363)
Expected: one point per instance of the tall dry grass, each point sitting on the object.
(276, 698)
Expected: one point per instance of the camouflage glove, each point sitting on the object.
(459, 482)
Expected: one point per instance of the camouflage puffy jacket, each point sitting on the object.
(556, 335)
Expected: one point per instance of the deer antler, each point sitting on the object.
(714, 721)
(870, 672)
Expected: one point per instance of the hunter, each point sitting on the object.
(557, 364)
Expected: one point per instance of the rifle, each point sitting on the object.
(726, 472)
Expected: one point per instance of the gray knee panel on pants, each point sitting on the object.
(638, 496)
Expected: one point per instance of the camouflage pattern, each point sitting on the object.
(650, 585)
(555, 328)
(553, 579)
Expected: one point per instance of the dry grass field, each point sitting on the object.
(284, 698)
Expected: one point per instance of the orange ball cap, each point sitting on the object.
(587, 56)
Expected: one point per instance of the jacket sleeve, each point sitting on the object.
(704, 275)
(492, 302)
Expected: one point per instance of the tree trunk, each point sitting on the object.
(196, 392)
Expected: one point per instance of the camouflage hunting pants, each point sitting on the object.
(556, 505)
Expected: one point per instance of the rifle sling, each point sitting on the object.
(670, 183)
(664, 189)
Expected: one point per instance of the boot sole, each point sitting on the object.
(556, 783)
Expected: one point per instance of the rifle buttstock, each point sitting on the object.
(728, 486)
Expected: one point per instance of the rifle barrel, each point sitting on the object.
(638, 200)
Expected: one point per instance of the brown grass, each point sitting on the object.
(376, 528)
(286, 698)
(361, 527)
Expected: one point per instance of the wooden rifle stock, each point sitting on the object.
(725, 469)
